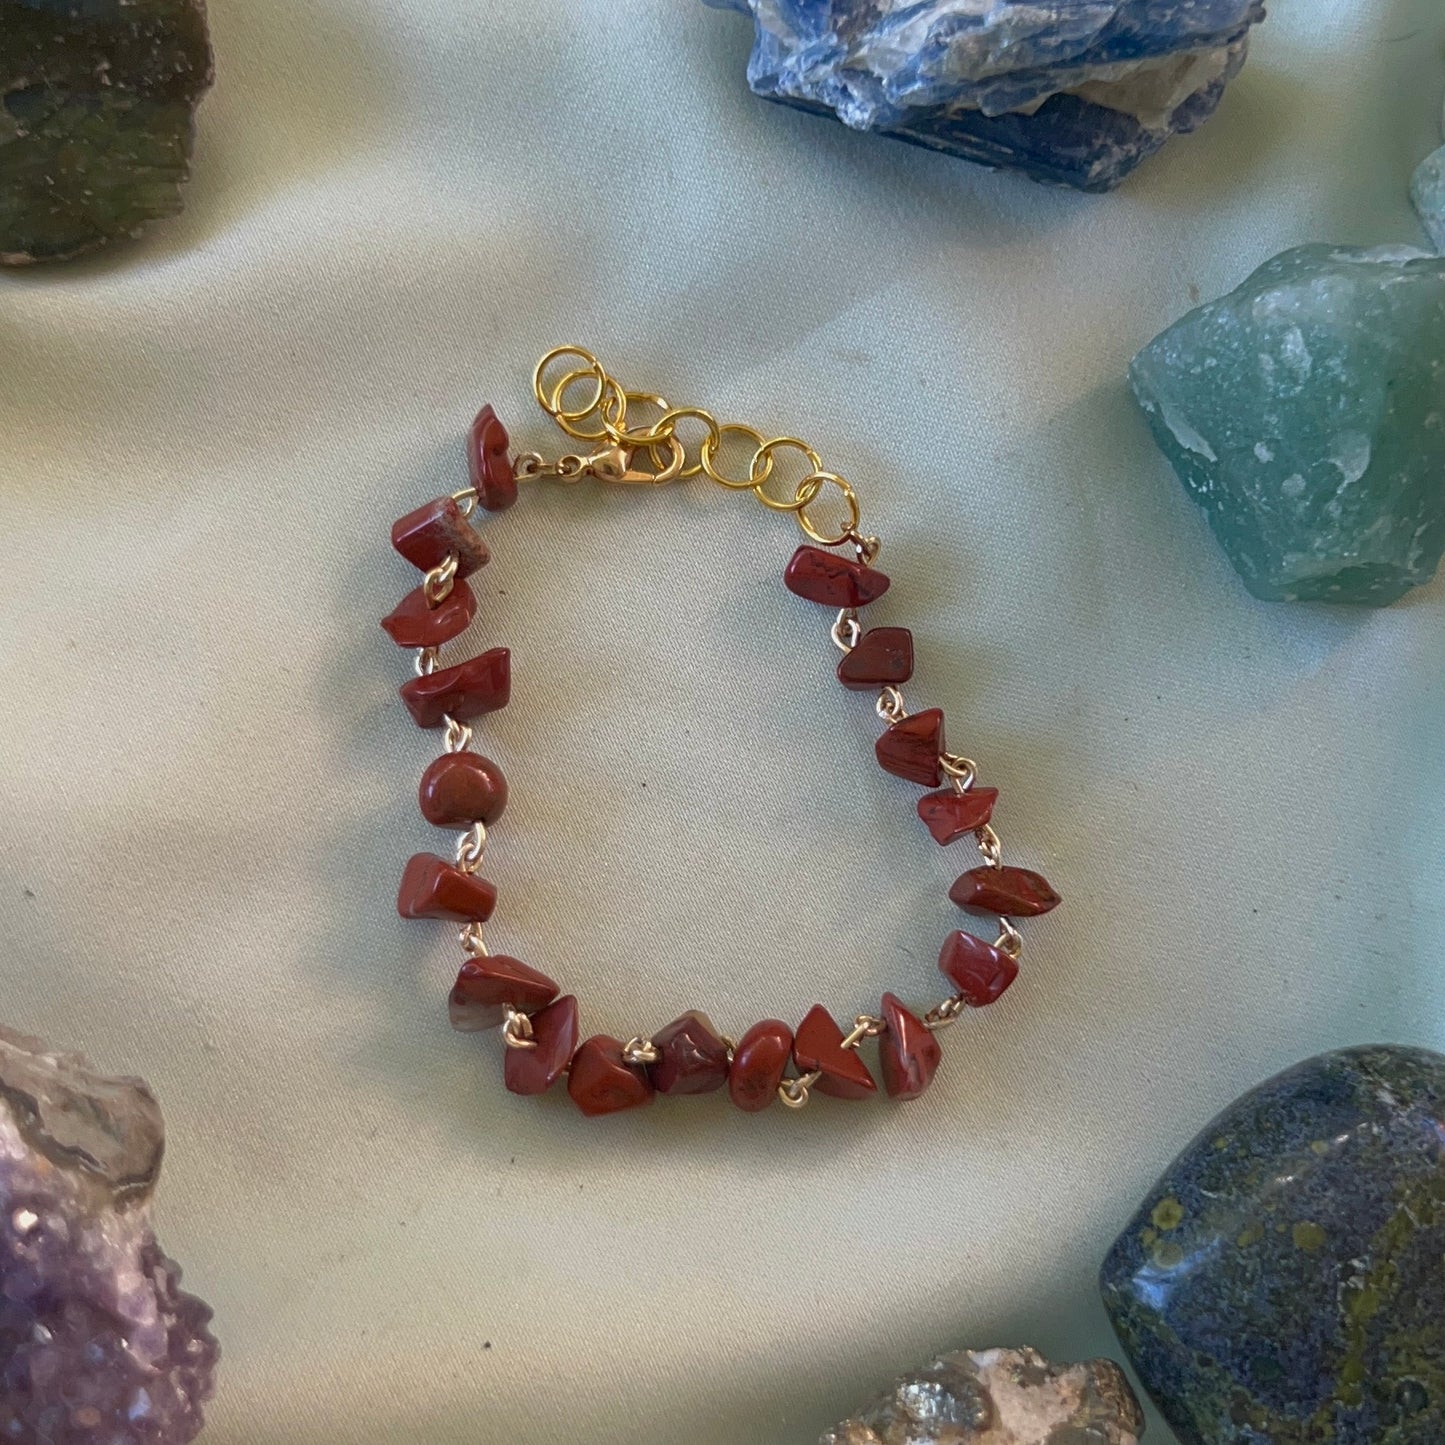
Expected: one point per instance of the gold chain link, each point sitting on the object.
(605, 418)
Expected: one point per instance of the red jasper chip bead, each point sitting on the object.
(980, 972)
(603, 1082)
(882, 658)
(554, 1031)
(950, 814)
(911, 749)
(692, 1057)
(416, 623)
(486, 987)
(433, 888)
(759, 1063)
(468, 690)
(835, 581)
(429, 535)
(460, 789)
(493, 479)
(908, 1054)
(819, 1046)
(1018, 891)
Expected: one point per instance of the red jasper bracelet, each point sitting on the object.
(462, 789)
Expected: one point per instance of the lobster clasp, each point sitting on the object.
(618, 463)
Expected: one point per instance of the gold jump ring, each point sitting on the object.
(668, 422)
(554, 407)
(711, 447)
(762, 465)
(817, 481)
(575, 428)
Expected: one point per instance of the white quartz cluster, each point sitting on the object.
(1000, 1397)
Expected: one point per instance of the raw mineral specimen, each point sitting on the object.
(1284, 1282)
(98, 1344)
(1072, 91)
(1305, 413)
(1427, 190)
(1000, 1397)
(96, 119)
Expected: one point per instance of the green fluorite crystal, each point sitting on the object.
(1427, 190)
(96, 106)
(1305, 413)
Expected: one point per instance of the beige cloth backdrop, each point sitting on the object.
(208, 782)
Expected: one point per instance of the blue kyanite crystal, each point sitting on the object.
(1284, 1282)
(1071, 91)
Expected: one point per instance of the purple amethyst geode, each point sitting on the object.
(99, 1345)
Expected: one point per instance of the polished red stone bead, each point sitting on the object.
(460, 789)
(882, 658)
(429, 535)
(416, 623)
(908, 1053)
(759, 1063)
(1018, 891)
(911, 749)
(487, 459)
(980, 972)
(819, 1045)
(951, 814)
(554, 1031)
(834, 581)
(485, 985)
(603, 1082)
(468, 690)
(692, 1058)
(433, 888)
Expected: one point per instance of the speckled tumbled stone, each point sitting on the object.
(1305, 414)
(97, 101)
(1284, 1282)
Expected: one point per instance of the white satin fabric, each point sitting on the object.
(208, 781)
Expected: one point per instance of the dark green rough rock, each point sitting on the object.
(1305, 414)
(1284, 1282)
(97, 100)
